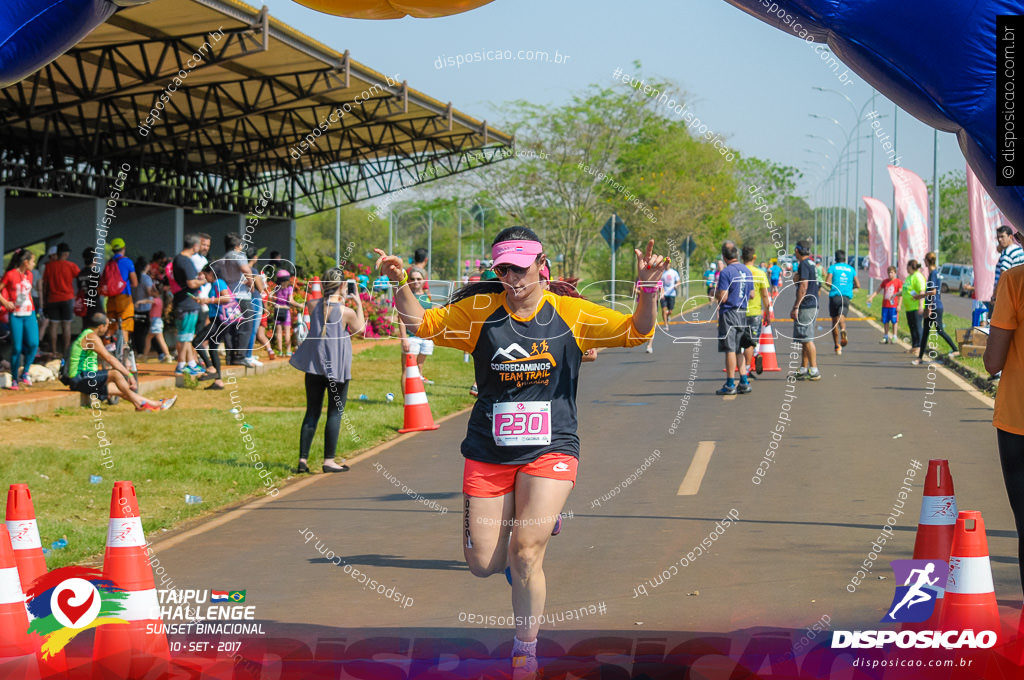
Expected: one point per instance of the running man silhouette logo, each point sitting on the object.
(924, 584)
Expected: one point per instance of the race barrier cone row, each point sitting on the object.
(766, 348)
(18, 659)
(970, 601)
(24, 532)
(127, 650)
(417, 410)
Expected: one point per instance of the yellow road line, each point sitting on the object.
(698, 466)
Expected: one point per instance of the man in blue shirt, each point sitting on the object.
(121, 306)
(775, 278)
(805, 311)
(841, 282)
(735, 284)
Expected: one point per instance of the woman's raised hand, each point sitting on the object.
(389, 265)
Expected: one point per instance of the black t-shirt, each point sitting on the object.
(184, 271)
(809, 273)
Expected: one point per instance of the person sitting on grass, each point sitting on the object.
(87, 378)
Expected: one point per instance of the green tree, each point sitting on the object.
(954, 218)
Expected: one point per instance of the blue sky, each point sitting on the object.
(750, 82)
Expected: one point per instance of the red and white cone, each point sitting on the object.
(766, 349)
(970, 600)
(129, 651)
(21, 525)
(17, 649)
(938, 514)
(417, 410)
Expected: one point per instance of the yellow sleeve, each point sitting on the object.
(597, 326)
(458, 325)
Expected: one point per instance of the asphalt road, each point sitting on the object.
(803, 530)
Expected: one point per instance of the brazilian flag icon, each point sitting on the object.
(237, 596)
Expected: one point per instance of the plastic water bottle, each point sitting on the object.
(95, 479)
(59, 544)
(192, 500)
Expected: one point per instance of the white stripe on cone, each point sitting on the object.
(141, 605)
(10, 587)
(24, 534)
(938, 510)
(415, 398)
(412, 372)
(969, 576)
(125, 532)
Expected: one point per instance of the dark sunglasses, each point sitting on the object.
(503, 269)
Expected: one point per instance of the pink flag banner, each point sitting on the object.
(985, 219)
(911, 216)
(879, 238)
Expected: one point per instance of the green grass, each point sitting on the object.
(197, 448)
(952, 323)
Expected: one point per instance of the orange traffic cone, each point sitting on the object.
(417, 410)
(315, 292)
(970, 600)
(766, 348)
(17, 648)
(21, 525)
(935, 529)
(938, 514)
(128, 651)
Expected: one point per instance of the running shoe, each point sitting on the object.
(26, 381)
(814, 376)
(743, 388)
(802, 375)
(843, 340)
(884, 340)
(13, 386)
(425, 381)
(195, 370)
(839, 351)
(149, 406)
(916, 362)
(758, 364)
(649, 350)
(726, 389)
(558, 525)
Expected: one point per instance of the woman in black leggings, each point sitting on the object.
(932, 314)
(326, 358)
(1003, 352)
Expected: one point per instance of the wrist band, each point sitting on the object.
(649, 287)
(402, 281)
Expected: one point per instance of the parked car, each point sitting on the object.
(958, 277)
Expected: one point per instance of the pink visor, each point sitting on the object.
(518, 253)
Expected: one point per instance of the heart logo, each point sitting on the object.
(73, 612)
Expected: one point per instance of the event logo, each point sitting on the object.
(70, 600)
(913, 602)
(923, 585)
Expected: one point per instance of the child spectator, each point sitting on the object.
(890, 290)
(156, 326)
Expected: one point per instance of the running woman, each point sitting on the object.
(521, 448)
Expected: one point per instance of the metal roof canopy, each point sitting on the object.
(226, 133)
